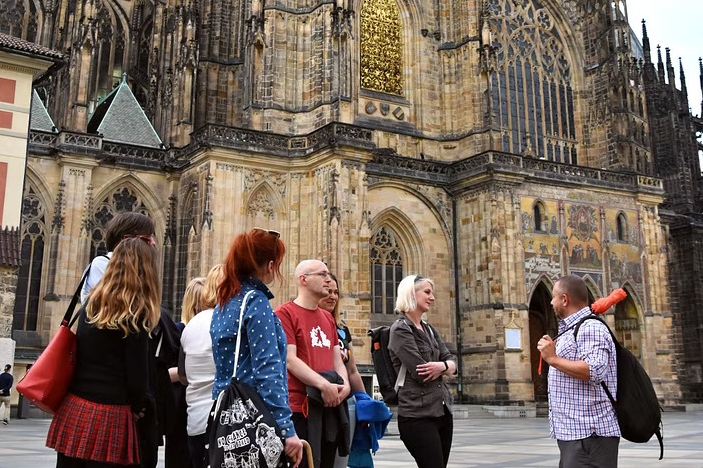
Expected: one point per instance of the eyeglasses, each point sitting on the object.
(269, 231)
(149, 239)
(418, 278)
(324, 274)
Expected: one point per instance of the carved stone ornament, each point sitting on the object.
(385, 109)
(370, 107)
(399, 114)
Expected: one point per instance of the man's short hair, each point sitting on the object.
(7, 367)
(575, 287)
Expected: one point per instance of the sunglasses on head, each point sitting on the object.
(149, 239)
(418, 278)
(270, 231)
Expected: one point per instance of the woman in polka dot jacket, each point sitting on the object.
(253, 261)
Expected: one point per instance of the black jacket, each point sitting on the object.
(335, 421)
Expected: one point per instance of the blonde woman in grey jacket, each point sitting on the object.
(421, 359)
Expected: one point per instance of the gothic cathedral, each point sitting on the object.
(492, 145)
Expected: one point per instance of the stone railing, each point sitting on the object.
(387, 162)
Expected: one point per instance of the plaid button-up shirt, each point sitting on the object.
(578, 408)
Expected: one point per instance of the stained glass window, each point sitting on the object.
(386, 271)
(19, 18)
(27, 295)
(537, 100)
(121, 200)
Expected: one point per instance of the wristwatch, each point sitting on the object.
(446, 366)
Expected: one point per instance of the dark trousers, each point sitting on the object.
(62, 461)
(198, 455)
(592, 452)
(329, 449)
(428, 440)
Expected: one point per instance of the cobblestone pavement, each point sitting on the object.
(509, 443)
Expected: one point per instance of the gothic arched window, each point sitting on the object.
(121, 200)
(19, 18)
(386, 271)
(531, 86)
(186, 232)
(381, 47)
(110, 49)
(27, 294)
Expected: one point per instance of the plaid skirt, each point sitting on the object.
(93, 431)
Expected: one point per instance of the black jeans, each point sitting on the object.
(198, 455)
(329, 450)
(428, 440)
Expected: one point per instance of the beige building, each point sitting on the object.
(21, 62)
(490, 145)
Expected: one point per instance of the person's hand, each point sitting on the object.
(330, 394)
(293, 447)
(546, 348)
(430, 370)
(139, 415)
(344, 392)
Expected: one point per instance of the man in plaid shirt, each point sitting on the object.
(581, 417)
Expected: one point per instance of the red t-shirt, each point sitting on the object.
(314, 333)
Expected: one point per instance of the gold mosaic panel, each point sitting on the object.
(381, 47)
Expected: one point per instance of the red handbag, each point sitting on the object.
(47, 381)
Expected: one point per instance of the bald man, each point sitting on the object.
(312, 348)
(581, 416)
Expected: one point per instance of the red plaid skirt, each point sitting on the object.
(93, 431)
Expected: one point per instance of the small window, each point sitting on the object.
(622, 228)
(539, 214)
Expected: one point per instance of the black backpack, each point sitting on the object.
(385, 372)
(388, 381)
(637, 407)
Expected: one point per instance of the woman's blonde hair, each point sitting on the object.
(192, 299)
(406, 302)
(128, 295)
(208, 297)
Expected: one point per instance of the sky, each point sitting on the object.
(675, 24)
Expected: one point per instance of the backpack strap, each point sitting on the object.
(615, 342)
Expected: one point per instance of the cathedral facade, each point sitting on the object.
(492, 145)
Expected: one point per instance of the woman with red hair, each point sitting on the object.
(253, 261)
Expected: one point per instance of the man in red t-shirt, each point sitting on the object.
(312, 347)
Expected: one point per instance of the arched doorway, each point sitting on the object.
(627, 326)
(542, 322)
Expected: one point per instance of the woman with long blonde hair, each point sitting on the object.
(95, 425)
(196, 367)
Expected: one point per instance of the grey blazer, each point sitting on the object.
(410, 346)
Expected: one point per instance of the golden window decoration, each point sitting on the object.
(381, 47)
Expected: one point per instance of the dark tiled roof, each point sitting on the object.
(10, 247)
(16, 44)
(120, 119)
(40, 117)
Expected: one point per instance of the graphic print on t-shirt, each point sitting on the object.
(318, 338)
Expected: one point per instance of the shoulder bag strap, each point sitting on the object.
(615, 342)
(239, 331)
(67, 320)
(72, 306)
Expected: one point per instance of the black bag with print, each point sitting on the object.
(241, 430)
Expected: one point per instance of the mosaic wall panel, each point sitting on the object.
(541, 246)
(624, 259)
